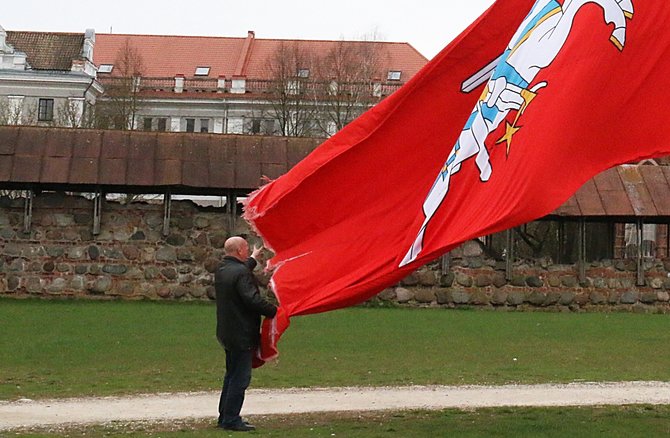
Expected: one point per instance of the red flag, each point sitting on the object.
(574, 87)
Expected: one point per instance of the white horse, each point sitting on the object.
(534, 47)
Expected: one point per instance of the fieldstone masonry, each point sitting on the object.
(131, 259)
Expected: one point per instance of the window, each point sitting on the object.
(147, 124)
(394, 75)
(45, 110)
(303, 73)
(190, 125)
(204, 125)
(202, 71)
(255, 126)
(105, 68)
(162, 124)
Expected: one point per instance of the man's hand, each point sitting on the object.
(256, 252)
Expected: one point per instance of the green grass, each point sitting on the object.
(81, 348)
(587, 422)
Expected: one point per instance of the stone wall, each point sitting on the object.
(131, 259)
(475, 280)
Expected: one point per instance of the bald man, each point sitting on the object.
(239, 306)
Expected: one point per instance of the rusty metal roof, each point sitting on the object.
(134, 161)
(142, 161)
(623, 191)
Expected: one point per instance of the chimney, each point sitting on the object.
(89, 43)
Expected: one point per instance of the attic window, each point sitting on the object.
(303, 73)
(105, 68)
(394, 75)
(202, 71)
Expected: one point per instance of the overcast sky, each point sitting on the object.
(427, 25)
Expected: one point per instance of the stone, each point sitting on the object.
(57, 286)
(13, 282)
(185, 223)
(516, 298)
(499, 280)
(77, 283)
(34, 285)
(63, 267)
(443, 296)
(211, 265)
(154, 220)
(125, 288)
(613, 283)
(475, 262)
(472, 249)
(427, 278)
(613, 297)
(12, 250)
(411, 280)
(200, 254)
(64, 220)
(201, 222)
(131, 252)
(83, 218)
(175, 239)
(179, 291)
(569, 281)
(630, 297)
(599, 283)
(138, 235)
(185, 255)
(7, 233)
(537, 298)
(387, 294)
(201, 239)
(163, 292)
(534, 281)
(100, 285)
(166, 254)
(499, 298)
(198, 292)
(48, 266)
(480, 298)
(217, 240)
(463, 279)
(518, 280)
(71, 235)
(663, 297)
(151, 273)
(211, 292)
(460, 297)
(554, 281)
(655, 283)
(187, 269)
(447, 280)
(114, 269)
(403, 295)
(112, 253)
(33, 266)
(169, 273)
(483, 280)
(597, 298)
(16, 265)
(552, 298)
(648, 297)
(567, 298)
(95, 269)
(80, 269)
(424, 295)
(55, 251)
(75, 253)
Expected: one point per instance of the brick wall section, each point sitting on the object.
(131, 259)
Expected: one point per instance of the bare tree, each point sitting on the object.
(122, 101)
(290, 90)
(346, 75)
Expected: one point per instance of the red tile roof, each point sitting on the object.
(48, 50)
(167, 56)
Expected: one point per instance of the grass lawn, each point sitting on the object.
(587, 422)
(82, 348)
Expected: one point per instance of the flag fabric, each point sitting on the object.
(500, 128)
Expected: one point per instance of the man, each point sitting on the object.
(239, 306)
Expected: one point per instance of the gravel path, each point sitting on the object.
(160, 407)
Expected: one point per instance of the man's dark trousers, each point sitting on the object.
(235, 383)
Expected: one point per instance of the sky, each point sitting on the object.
(427, 25)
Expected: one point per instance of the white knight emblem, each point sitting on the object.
(534, 47)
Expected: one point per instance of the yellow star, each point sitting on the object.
(510, 130)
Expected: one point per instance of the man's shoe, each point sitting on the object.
(239, 427)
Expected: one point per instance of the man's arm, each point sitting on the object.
(252, 298)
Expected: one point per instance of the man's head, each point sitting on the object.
(236, 247)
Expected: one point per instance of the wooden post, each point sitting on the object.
(167, 212)
(509, 254)
(639, 228)
(28, 212)
(97, 211)
(582, 250)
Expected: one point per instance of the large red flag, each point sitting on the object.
(508, 121)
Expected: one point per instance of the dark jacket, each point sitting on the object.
(239, 305)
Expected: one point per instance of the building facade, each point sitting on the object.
(47, 79)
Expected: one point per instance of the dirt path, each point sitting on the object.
(29, 413)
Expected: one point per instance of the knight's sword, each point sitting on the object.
(481, 77)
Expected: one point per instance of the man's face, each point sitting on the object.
(244, 251)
